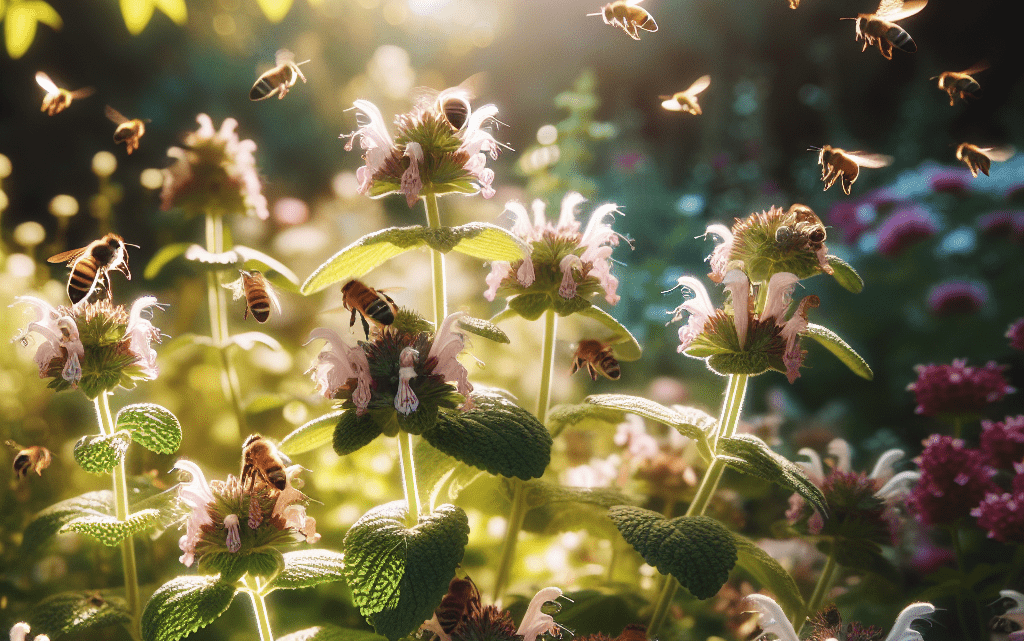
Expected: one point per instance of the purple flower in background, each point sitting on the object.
(1016, 334)
(1003, 224)
(957, 297)
(904, 227)
(958, 389)
(1003, 441)
(1002, 514)
(954, 479)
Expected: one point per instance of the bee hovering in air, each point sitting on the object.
(30, 459)
(981, 158)
(453, 105)
(1012, 618)
(801, 227)
(596, 357)
(881, 28)
(461, 601)
(280, 79)
(369, 304)
(261, 459)
(56, 99)
(960, 83)
(128, 131)
(687, 100)
(90, 266)
(260, 297)
(836, 162)
(626, 15)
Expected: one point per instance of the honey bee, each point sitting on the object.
(881, 28)
(836, 162)
(453, 105)
(28, 459)
(56, 99)
(462, 600)
(90, 266)
(1012, 619)
(261, 458)
(626, 15)
(260, 297)
(687, 100)
(633, 632)
(128, 131)
(280, 79)
(960, 82)
(369, 304)
(596, 357)
(801, 227)
(980, 158)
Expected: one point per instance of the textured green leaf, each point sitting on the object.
(265, 563)
(489, 242)
(100, 454)
(363, 255)
(352, 432)
(750, 455)
(496, 435)
(564, 416)
(688, 421)
(624, 344)
(845, 274)
(253, 258)
(151, 426)
(312, 434)
(306, 568)
(439, 475)
(183, 605)
(70, 612)
(768, 573)
(331, 633)
(483, 328)
(47, 523)
(163, 257)
(553, 508)
(529, 306)
(398, 575)
(831, 341)
(697, 550)
(108, 530)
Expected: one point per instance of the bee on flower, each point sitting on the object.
(490, 622)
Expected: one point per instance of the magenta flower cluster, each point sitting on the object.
(958, 389)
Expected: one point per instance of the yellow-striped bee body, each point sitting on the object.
(626, 15)
(801, 228)
(35, 458)
(960, 83)
(128, 131)
(454, 107)
(981, 158)
(260, 298)
(687, 100)
(839, 163)
(58, 99)
(461, 601)
(369, 304)
(880, 27)
(596, 357)
(90, 266)
(280, 79)
(261, 459)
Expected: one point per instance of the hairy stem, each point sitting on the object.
(219, 321)
(518, 512)
(412, 494)
(120, 476)
(825, 582)
(436, 263)
(254, 587)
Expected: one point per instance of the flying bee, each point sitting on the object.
(261, 459)
(596, 357)
(35, 458)
(461, 601)
(687, 100)
(836, 162)
(960, 82)
(260, 297)
(801, 227)
(626, 15)
(280, 79)
(881, 28)
(1012, 619)
(90, 266)
(56, 99)
(128, 131)
(980, 158)
(369, 304)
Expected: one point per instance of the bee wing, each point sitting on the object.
(977, 68)
(999, 154)
(671, 105)
(84, 92)
(283, 57)
(275, 302)
(894, 10)
(46, 83)
(699, 85)
(871, 161)
(68, 256)
(114, 116)
(236, 287)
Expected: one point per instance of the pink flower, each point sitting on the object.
(954, 479)
(234, 539)
(61, 339)
(1002, 514)
(141, 333)
(196, 495)
(906, 226)
(957, 389)
(1016, 334)
(957, 297)
(535, 622)
(337, 365)
(1003, 224)
(719, 258)
(406, 401)
(1003, 441)
(950, 179)
(374, 140)
(444, 351)
(700, 309)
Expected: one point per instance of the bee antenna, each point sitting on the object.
(594, 14)
(813, 148)
(847, 18)
(133, 245)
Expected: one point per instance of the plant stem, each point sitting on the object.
(436, 263)
(825, 581)
(412, 494)
(219, 320)
(254, 587)
(518, 512)
(131, 579)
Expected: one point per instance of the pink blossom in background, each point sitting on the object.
(958, 388)
(1003, 441)
(1016, 334)
(1002, 513)
(950, 179)
(957, 297)
(904, 227)
(954, 479)
(1004, 224)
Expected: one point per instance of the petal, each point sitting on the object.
(780, 292)
(771, 618)
(901, 628)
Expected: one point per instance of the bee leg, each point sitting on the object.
(366, 326)
(352, 321)
(575, 366)
(592, 371)
(847, 184)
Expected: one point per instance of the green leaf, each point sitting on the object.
(553, 508)
(331, 633)
(496, 435)
(768, 573)
(438, 473)
(838, 346)
(398, 575)
(363, 255)
(151, 426)
(589, 612)
(312, 434)
(529, 306)
(489, 242)
(483, 328)
(845, 274)
(688, 421)
(266, 563)
(306, 568)
(183, 605)
(504, 314)
(624, 344)
(269, 265)
(100, 454)
(108, 530)
(163, 256)
(20, 24)
(564, 416)
(352, 432)
(750, 455)
(697, 550)
(47, 523)
(71, 612)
